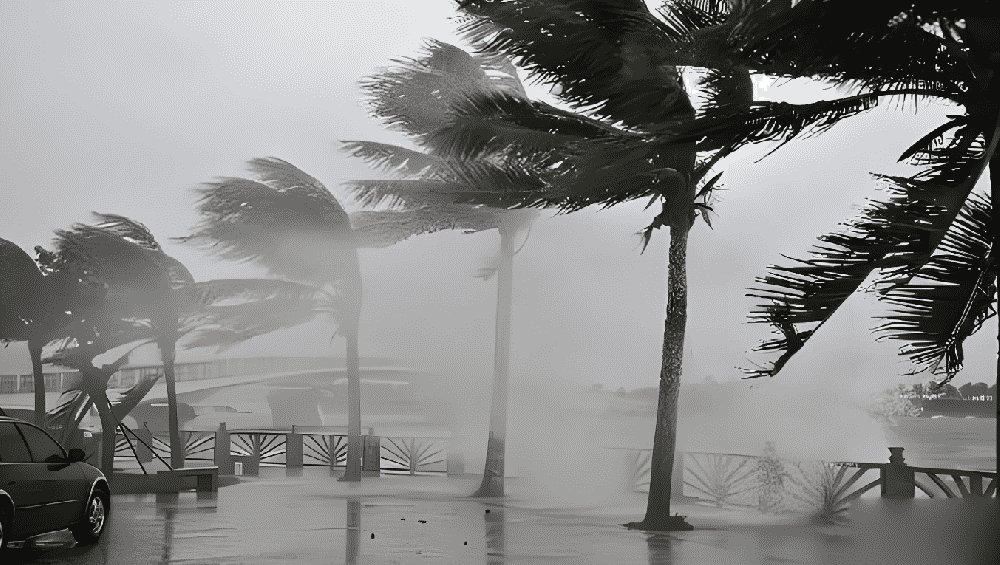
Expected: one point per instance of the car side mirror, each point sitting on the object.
(76, 455)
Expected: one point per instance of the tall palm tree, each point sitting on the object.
(416, 97)
(290, 224)
(916, 49)
(554, 158)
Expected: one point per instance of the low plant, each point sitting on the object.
(771, 475)
(820, 491)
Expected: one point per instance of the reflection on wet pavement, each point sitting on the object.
(311, 519)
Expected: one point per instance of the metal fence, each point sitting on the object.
(772, 484)
(298, 447)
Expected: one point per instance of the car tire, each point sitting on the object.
(95, 519)
(4, 532)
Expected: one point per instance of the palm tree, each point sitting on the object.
(916, 49)
(20, 287)
(416, 97)
(149, 297)
(36, 307)
(553, 158)
(290, 224)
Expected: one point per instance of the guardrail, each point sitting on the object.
(247, 450)
(729, 479)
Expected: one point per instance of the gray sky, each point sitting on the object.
(124, 107)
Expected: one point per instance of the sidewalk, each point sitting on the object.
(312, 518)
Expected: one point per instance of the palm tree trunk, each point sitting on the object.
(167, 353)
(994, 200)
(353, 470)
(665, 437)
(493, 471)
(35, 349)
(97, 389)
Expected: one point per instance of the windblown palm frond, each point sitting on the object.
(226, 326)
(393, 158)
(602, 53)
(128, 229)
(416, 96)
(21, 284)
(102, 257)
(288, 223)
(935, 319)
(896, 237)
(825, 38)
(375, 229)
(218, 291)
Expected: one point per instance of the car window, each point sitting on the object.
(43, 448)
(12, 447)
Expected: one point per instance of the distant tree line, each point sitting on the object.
(968, 391)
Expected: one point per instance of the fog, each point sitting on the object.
(125, 107)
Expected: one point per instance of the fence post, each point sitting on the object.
(413, 456)
(897, 477)
(222, 459)
(371, 464)
(331, 446)
(142, 453)
(455, 463)
(677, 476)
(631, 468)
(293, 449)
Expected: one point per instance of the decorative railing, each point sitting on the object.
(726, 479)
(721, 479)
(248, 450)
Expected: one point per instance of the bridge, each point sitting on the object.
(199, 375)
(197, 381)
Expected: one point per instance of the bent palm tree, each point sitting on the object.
(151, 297)
(21, 296)
(37, 306)
(560, 159)
(417, 97)
(291, 225)
(920, 49)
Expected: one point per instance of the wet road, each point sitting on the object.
(314, 519)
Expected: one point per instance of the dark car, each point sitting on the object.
(44, 489)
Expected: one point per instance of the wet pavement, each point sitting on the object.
(311, 518)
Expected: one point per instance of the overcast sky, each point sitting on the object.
(125, 107)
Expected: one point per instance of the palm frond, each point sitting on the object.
(897, 237)
(20, 285)
(727, 93)
(416, 96)
(128, 229)
(286, 178)
(869, 47)
(932, 140)
(218, 291)
(98, 254)
(224, 326)
(289, 224)
(935, 319)
(493, 124)
(375, 229)
(394, 159)
(603, 53)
